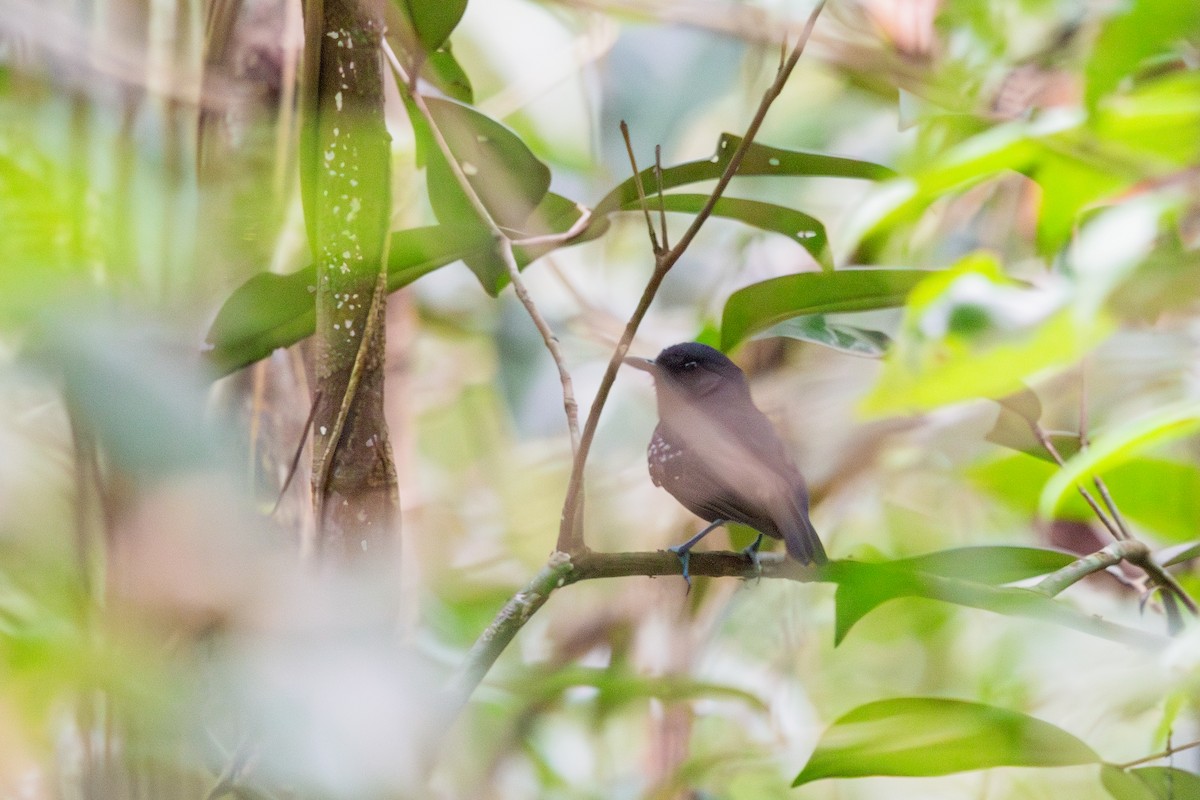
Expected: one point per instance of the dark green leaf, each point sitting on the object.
(270, 311)
(847, 338)
(432, 20)
(806, 231)
(505, 175)
(923, 736)
(759, 160)
(761, 305)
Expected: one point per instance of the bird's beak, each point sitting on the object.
(644, 364)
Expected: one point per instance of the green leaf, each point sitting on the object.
(432, 20)
(819, 330)
(442, 69)
(1118, 446)
(925, 736)
(1169, 783)
(761, 305)
(1144, 28)
(969, 333)
(806, 231)
(759, 160)
(963, 576)
(509, 180)
(270, 311)
(991, 564)
(1124, 785)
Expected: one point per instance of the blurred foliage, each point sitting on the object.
(993, 207)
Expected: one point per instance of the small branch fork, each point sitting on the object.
(1125, 548)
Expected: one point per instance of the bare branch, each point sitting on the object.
(641, 190)
(1170, 751)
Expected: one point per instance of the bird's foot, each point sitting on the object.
(685, 555)
(751, 551)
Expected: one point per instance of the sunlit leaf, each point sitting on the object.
(923, 736)
(761, 305)
(818, 329)
(969, 333)
(1136, 32)
(806, 231)
(1119, 445)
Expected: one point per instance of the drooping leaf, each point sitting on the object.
(806, 231)
(925, 736)
(846, 338)
(509, 180)
(761, 305)
(1118, 446)
(442, 69)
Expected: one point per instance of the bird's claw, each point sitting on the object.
(751, 552)
(685, 556)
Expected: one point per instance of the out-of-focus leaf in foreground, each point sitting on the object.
(924, 736)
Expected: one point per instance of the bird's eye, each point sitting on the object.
(690, 365)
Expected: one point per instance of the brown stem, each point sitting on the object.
(1170, 751)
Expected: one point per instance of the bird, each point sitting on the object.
(717, 454)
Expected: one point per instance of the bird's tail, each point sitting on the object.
(802, 541)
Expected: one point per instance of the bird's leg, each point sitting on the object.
(752, 551)
(684, 551)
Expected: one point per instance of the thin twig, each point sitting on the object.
(641, 190)
(1111, 505)
(662, 203)
(570, 538)
(1170, 751)
(578, 227)
(503, 246)
(1042, 437)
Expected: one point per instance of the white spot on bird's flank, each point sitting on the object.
(337, 99)
(469, 169)
(774, 162)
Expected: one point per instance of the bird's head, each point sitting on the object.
(691, 369)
